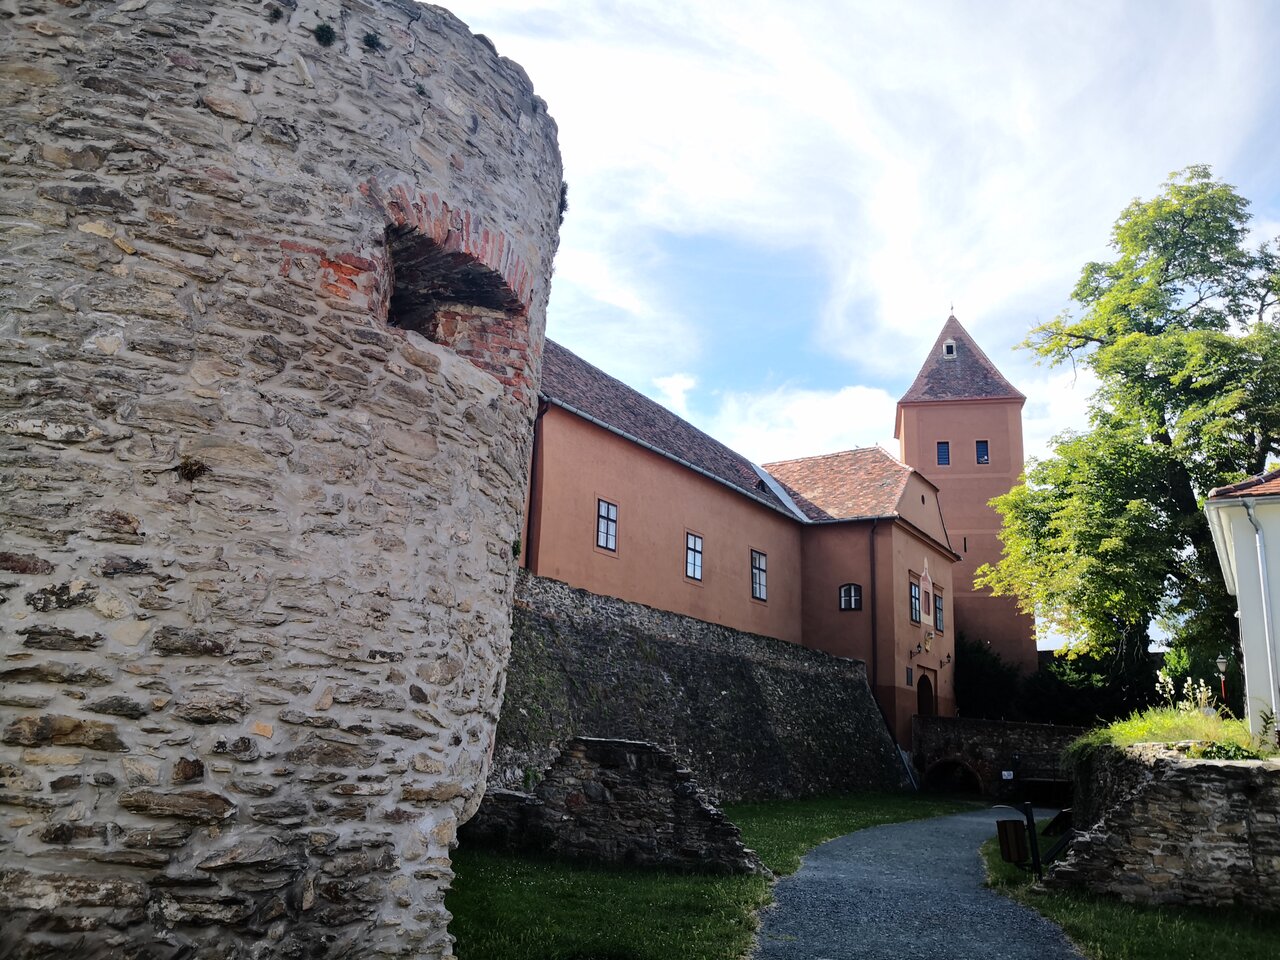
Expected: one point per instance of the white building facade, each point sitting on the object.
(1245, 520)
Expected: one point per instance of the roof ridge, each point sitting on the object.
(837, 453)
(569, 380)
(1248, 483)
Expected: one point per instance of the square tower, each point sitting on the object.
(960, 424)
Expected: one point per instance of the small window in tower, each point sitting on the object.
(910, 677)
(851, 596)
(944, 453)
(949, 350)
(984, 451)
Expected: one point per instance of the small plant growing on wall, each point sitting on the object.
(371, 42)
(325, 34)
(274, 14)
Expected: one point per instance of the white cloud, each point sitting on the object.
(917, 154)
(1057, 401)
(786, 422)
(673, 392)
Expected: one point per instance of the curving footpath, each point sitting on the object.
(906, 891)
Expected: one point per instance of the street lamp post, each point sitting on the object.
(1222, 676)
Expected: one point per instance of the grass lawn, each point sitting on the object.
(518, 908)
(1108, 929)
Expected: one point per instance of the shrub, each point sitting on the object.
(325, 34)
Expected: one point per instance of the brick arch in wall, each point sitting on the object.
(443, 273)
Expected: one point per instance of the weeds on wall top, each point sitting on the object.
(325, 34)
(371, 42)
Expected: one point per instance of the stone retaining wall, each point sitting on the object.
(618, 802)
(1159, 828)
(749, 715)
(986, 749)
(271, 316)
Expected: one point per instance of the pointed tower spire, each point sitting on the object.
(957, 369)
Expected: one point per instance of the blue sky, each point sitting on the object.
(774, 205)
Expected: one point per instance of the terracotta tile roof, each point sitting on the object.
(570, 381)
(864, 482)
(970, 376)
(1263, 485)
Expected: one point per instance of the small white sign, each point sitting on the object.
(1006, 774)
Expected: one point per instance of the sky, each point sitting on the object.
(773, 207)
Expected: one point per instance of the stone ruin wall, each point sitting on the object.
(271, 316)
(1158, 828)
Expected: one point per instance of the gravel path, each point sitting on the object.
(906, 891)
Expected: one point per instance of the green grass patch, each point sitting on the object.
(781, 831)
(1108, 929)
(518, 908)
(1171, 725)
(508, 907)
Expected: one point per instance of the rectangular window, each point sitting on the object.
(915, 601)
(693, 556)
(851, 596)
(910, 676)
(606, 525)
(944, 453)
(759, 575)
(984, 451)
(937, 610)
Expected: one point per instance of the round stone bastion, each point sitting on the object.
(273, 281)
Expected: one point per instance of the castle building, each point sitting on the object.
(960, 425)
(847, 552)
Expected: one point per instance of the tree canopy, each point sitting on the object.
(1107, 536)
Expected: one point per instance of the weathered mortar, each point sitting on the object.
(751, 716)
(1160, 828)
(256, 553)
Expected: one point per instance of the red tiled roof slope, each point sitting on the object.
(569, 380)
(863, 482)
(970, 376)
(1263, 485)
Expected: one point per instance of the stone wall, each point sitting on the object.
(985, 749)
(750, 716)
(618, 802)
(271, 317)
(1159, 828)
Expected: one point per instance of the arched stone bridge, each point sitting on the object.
(960, 754)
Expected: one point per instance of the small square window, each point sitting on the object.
(949, 350)
(851, 596)
(944, 453)
(693, 556)
(606, 525)
(759, 575)
(984, 451)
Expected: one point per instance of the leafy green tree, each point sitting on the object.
(1106, 538)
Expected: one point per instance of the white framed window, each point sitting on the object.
(606, 525)
(759, 576)
(692, 556)
(948, 350)
(915, 601)
(851, 596)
